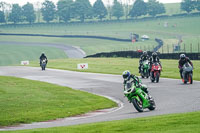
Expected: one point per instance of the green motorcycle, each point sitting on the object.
(145, 69)
(140, 99)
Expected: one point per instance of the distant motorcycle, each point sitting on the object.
(155, 72)
(138, 97)
(145, 69)
(187, 73)
(43, 64)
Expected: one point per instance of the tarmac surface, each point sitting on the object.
(171, 95)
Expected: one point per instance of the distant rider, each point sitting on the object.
(154, 58)
(130, 78)
(43, 57)
(143, 57)
(183, 59)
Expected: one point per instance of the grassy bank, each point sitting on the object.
(175, 123)
(186, 28)
(90, 46)
(26, 101)
(118, 65)
(14, 54)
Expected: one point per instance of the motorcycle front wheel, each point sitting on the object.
(138, 105)
(152, 77)
(157, 77)
(190, 78)
(153, 105)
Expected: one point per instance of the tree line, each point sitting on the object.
(67, 10)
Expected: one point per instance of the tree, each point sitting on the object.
(64, 9)
(48, 10)
(117, 9)
(187, 5)
(99, 9)
(109, 9)
(16, 14)
(127, 6)
(154, 8)
(139, 8)
(5, 8)
(82, 9)
(198, 5)
(28, 12)
(38, 11)
(2, 17)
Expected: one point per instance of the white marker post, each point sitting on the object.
(82, 66)
(25, 62)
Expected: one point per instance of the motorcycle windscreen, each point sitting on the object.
(128, 86)
(187, 67)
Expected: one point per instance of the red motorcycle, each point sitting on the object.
(155, 72)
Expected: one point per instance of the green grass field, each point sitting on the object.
(14, 54)
(90, 46)
(26, 101)
(174, 123)
(118, 65)
(186, 27)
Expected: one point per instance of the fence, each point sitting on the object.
(164, 48)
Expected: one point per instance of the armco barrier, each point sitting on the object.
(134, 54)
(70, 36)
(160, 44)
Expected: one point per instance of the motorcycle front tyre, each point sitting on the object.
(190, 78)
(153, 105)
(138, 105)
(157, 77)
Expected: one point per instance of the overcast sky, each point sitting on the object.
(22, 2)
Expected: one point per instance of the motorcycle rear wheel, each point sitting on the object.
(138, 105)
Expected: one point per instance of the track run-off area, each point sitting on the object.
(171, 95)
(70, 51)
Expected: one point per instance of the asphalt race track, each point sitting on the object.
(171, 96)
(70, 51)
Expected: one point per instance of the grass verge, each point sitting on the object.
(118, 65)
(26, 101)
(14, 54)
(174, 123)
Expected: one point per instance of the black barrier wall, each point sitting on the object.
(134, 54)
(70, 36)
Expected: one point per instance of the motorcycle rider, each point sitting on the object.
(183, 59)
(143, 57)
(154, 58)
(130, 78)
(43, 57)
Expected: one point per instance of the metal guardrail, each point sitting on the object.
(70, 36)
